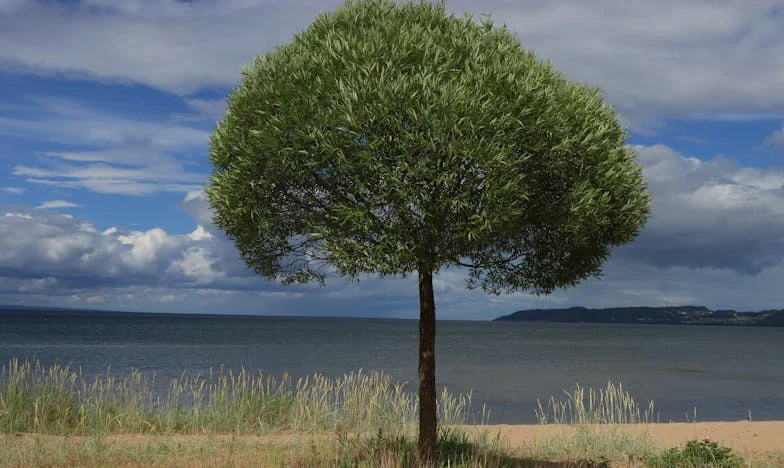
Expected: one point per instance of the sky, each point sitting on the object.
(106, 107)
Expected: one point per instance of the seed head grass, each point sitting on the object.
(55, 415)
(58, 399)
(609, 405)
(598, 417)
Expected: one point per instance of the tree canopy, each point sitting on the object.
(387, 138)
(392, 138)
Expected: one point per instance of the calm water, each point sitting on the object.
(722, 371)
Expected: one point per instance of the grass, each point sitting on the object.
(592, 442)
(610, 405)
(455, 450)
(60, 400)
(598, 416)
(55, 416)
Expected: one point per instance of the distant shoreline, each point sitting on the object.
(671, 315)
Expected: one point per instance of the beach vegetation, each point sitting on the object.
(55, 415)
(58, 399)
(609, 405)
(698, 453)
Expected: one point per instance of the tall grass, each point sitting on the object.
(58, 399)
(610, 405)
(598, 434)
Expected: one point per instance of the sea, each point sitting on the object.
(705, 372)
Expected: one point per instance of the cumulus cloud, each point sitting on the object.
(654, 59)
(36, 244)
(50, 259)
(46, 244)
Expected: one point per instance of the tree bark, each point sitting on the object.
(427, 371)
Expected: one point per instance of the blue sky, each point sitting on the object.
(106, 107)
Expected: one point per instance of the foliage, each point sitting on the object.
(390, 138)
(698, 453)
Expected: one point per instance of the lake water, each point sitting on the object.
(724, 372)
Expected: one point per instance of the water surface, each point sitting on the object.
(723, 372)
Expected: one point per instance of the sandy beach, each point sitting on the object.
(743, 436)
(760, 443)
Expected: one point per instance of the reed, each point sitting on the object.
(59, 399)
(609, 405)
(599, 418)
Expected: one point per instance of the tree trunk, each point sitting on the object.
(427, 370)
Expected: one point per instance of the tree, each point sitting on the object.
(390, 138)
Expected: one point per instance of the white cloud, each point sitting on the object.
(70, 122)
(46, 244)
(13, 190)
(654, 59)
(776, 138)
(47, 205)
(196, 265)
(111, 179)
(17, 215)
(200, 233)
(126, 156)
(175, 46)
(145, 246)
(206, 109)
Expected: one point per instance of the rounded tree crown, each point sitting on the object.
(389, 138)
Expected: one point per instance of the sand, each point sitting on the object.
(760, 443)
(743, 436)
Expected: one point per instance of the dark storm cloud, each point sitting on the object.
(713, 214)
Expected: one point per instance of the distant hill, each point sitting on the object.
(686, 315)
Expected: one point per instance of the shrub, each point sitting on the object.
(698, 453)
